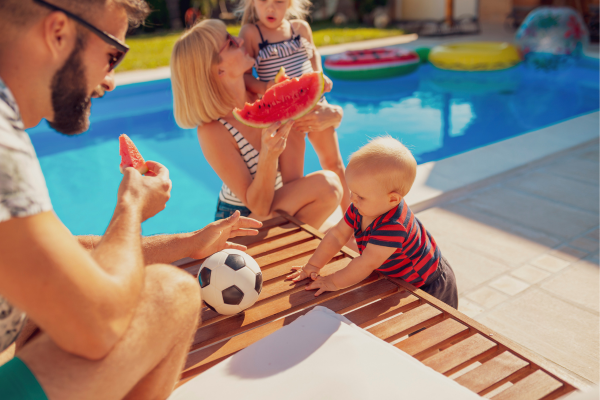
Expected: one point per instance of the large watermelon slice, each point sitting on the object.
(290, 99)
(130, 156)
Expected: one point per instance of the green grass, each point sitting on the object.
(154, 50)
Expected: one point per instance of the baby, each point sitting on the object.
(390, 238)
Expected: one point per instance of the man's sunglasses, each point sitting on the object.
(105, 36)
(229, 39)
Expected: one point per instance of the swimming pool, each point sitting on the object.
(436, 113)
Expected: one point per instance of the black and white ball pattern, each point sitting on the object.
(230, 280)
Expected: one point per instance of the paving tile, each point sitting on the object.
(585, 243)
(575, 168)
(552, 263)
(551, 327)
(470, 268)
(455, 225)
(578, 283)
(591, 154)
(563, 190)
(534, 213)
(595, 234)
(468, 308)
(487, 297)
(509, 285)
(530, 274)
(568, 253)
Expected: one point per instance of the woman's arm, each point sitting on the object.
(221, 152)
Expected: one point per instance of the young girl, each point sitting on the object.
(275, 40)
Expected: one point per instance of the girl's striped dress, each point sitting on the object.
(293, 54)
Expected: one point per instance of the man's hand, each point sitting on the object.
(303, 272)
(323, 284)
(213, 237)
(148, 193)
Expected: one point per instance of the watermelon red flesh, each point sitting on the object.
(290, 99)
(130, 156)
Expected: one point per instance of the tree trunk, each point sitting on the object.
(174, 17)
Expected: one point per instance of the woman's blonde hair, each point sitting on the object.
(199, 96)
(298, 9)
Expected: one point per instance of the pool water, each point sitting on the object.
(436, 113)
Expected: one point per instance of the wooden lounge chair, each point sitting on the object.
(388, 308)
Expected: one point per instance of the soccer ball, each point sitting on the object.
(230, 280)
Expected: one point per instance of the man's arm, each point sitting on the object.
(199, 244)
(83, 301)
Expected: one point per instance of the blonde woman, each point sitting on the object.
(207, 73)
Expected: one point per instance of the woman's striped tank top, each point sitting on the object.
(293, 54)
(250, 155)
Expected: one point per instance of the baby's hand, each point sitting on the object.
(303, 272)
(328, 84)
(323, 284)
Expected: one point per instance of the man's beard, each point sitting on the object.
(70, 100)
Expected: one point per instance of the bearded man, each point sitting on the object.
(114, 320)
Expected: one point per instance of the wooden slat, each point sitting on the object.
(385, 308)
(461, 354)
(534, 387)
(346, 250)
(218, 351)
(278, 243)
(406, 323)
(552, 369)
(268, 224)
(281, 286)
(285, 254)
(492, 373)
(266, 234)
(265, 312)
(284, 268)
(431, 339)
(273, 291)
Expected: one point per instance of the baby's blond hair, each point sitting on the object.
(388, 160)
(298, 9)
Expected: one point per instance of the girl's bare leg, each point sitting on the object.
(327, 148)
(145, 363)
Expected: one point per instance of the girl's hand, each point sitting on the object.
(328, 84)
(269, 85)
(303, 272)
(322, 284)
(274, 138)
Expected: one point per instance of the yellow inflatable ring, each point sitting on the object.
(475, 56)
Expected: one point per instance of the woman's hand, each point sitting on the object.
(328, 84)
(274, 139)
(323, 116)
(213, 237)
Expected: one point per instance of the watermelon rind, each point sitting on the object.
(281, 76)
(237, 113)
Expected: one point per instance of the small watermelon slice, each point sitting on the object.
(290, 99)
(130, 156)
(281, 76)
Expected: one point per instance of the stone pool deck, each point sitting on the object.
(524, 248)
